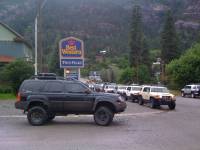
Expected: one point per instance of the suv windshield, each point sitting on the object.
(160, 90)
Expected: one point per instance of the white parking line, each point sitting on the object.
(74, 116)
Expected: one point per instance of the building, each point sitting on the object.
(12, 46)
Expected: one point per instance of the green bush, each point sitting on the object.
(186, 69)
(15, 72)
(6, 89)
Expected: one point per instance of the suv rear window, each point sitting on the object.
(32, 86)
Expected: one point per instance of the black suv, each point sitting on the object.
(44, 99)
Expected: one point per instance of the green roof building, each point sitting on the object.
(13, 45)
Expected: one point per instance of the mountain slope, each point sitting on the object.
(102, 24)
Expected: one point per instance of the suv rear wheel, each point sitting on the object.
(37, 116)
(103, 116)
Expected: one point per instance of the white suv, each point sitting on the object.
(121, 89)
(110, 89)
(193, 90)
(156, 96)
(132, 92)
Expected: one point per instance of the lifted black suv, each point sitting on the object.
(44, 99)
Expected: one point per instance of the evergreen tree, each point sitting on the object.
(169, 40)
(136, 36)
(139, 53)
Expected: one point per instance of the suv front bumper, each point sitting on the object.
(120, 107)
(164, 102)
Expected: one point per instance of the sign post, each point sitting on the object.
(71, 52)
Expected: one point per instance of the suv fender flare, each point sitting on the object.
(99, 100)
(36, 99)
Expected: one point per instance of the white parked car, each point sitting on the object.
(156, 96)
(121, 89)
(132, 92)
(110, 89)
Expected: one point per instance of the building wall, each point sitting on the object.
(6, 35)
(10, 48)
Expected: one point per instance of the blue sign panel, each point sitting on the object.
(71, 53)
(71, 48)
(72, 63)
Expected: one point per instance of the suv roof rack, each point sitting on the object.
(51, 76)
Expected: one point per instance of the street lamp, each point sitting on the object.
(36, 37)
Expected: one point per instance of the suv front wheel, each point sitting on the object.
(103, 116)
(172, 105)
(37, 116)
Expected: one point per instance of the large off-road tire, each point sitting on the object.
(172, 105)
(152, 103)
(103, 116)
(133, 99)
(140, 100)
(37, 116)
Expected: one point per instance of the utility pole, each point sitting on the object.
(40, 5)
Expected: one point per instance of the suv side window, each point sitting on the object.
(32, 86)
(54, 87)
(75, 88)
(146, 89)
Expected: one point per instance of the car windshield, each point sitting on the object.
(160, 90)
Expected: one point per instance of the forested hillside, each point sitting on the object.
(102, 24)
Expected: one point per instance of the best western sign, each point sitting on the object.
(71, 53)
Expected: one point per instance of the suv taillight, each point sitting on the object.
(18, 97)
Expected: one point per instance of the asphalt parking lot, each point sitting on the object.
(138, 128)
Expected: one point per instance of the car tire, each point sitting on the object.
(193, 95)
(140, 100)
(152, 103)
(37, 116)
(172, 105)
(103, 116)
(182, 94)
(132, 99)
(51, 116)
